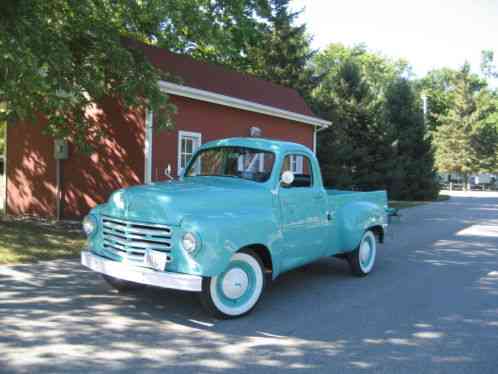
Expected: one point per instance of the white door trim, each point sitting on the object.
(149, 130)
(3, 206)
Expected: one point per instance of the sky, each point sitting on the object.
(428, 34)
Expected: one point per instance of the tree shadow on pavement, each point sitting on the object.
(429, 305)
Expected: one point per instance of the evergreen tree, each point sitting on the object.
(455, 138)
(413, 177)
(355, 151)
(463, 119)
(283, 53)
(485, 132)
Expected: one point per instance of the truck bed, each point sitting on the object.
(339, 197)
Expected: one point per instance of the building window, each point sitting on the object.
(296, 164)
(301, 167)
(251, 162)
(188, 143)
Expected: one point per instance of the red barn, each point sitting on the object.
(212, 101)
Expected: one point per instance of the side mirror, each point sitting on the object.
(287, 178)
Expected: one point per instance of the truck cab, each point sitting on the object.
(244, 211)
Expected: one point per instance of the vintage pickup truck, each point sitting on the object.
(244, 211)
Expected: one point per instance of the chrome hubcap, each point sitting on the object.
(235, 283)
(365, 252)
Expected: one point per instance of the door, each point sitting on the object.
(303, 207)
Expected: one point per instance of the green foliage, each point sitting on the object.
(377, 70)
(58, 57)
(220, 31)
(413, 175)
(354, 152)
(465, 127)
(282, 53)
(377, 139)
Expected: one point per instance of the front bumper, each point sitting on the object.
(120, 270)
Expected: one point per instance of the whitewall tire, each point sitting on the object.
(362, 259)
(237, 290)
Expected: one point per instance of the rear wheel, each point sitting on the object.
(237, 290)
(362, 259)
(121, 285)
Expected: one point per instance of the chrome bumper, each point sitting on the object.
(136, 274)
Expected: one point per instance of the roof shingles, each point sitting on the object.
(221, 80)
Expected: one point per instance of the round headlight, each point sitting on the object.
(189, 242)
(89, 225)
(118, 199)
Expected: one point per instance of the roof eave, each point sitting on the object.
(233, 102)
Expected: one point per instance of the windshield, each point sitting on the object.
(237, 162)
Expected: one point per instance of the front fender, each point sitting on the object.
(221, 236)
(356, 218)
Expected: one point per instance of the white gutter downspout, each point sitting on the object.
(149, 127)
(4, 192)
(317, 130)
(314, 140)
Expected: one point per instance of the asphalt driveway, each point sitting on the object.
(430, 306)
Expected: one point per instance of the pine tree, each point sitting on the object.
(355, 152)
(454, 139)
(414, 177)
(283, 54)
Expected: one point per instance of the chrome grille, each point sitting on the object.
(130, 239)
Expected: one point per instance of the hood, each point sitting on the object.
(170, 202)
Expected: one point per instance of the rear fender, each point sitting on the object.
(358, 217)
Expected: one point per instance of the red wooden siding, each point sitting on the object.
(87, 179)
(119, 159)
(217, 122)
(30, 171)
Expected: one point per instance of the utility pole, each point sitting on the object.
(424, 107)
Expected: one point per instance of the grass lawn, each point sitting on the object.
(29, 241)
(409, 204)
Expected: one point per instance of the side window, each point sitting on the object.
(188, 143)
(301, 167)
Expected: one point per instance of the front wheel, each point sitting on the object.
(362, 259)
(236, 291)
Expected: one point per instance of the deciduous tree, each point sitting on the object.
(59, 56)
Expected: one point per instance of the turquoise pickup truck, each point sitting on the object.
(244, 211)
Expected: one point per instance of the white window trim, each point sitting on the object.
(298, 161)
(189, 134)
